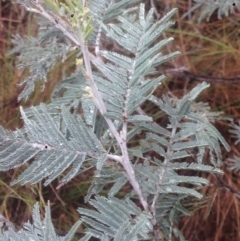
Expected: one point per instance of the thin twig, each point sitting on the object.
(223, 184)
(57, 196)
(183, 73)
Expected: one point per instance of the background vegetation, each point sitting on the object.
(210, 52)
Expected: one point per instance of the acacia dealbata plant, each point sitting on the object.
(94, 116)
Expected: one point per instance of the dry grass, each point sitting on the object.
(210, 49)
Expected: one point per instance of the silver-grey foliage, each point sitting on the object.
(208, 7)
(40, 230)
(234, 162)
(95, 120)
(121, 220)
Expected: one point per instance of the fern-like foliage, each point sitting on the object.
(40, 54)
(39, 59)
(108, 10)
(55, 143)
(39, 230)
(208, 7)
(124, 76)
(234, 162)
(120, 220)
(159, 178)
